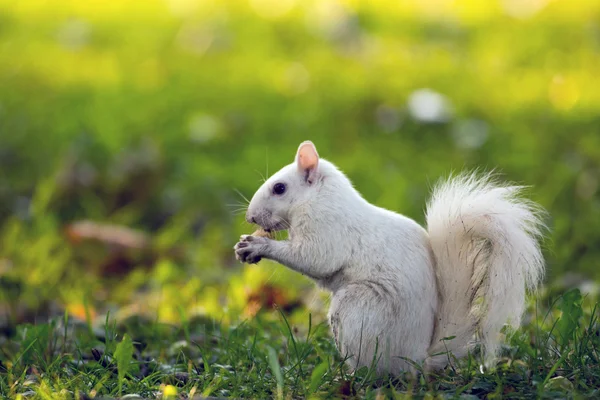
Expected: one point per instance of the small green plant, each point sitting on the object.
(123, 356)
(568, 324)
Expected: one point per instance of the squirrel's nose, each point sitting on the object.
(250, 219)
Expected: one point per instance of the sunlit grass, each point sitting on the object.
(553, 356)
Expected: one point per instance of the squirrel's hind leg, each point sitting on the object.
(368, 322)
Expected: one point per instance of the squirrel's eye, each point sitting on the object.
(279, 188)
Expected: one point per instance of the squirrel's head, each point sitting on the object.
(287, 190)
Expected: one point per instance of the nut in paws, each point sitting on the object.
(250, 249)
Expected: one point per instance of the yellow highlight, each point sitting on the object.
(169, 391)
(79, 311)
(272, 9)
(563, 92)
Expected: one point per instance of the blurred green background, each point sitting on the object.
(127, 128)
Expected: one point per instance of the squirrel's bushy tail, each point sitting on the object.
(485, 239)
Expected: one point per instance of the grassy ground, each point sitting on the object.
(555, 355)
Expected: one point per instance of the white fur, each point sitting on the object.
(485, 240)
(397, 287)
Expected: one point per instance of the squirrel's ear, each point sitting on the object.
(307, 159)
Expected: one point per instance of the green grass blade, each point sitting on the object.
(316, 378)
(276, 369)
(123, 355)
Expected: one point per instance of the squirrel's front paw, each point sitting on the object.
(250, 249)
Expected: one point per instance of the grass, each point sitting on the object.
(555, 355)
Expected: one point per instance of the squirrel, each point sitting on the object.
(401, 293)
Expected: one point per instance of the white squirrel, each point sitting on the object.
(399, 291)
